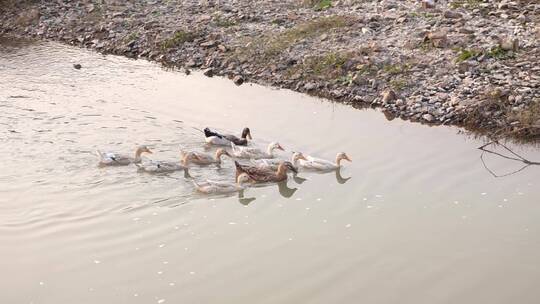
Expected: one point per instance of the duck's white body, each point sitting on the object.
(115, 159)
(267, 163)
(320, 164)
(254, 153)
(202, 159)
(314, 163)
(154, 166)
(212, 187)
(273, 163)
(220, 187)
(218, 141)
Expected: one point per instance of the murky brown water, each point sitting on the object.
(420, 220)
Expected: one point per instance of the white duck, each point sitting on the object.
(155, 166)
(115, 159)
(255, 153)
(218, 187)
(322, 164)
(203, 158)
(273, 163)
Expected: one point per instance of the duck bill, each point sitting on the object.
(348, 158)
(248, 136)
(280, 148)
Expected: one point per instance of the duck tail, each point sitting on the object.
(209, 133)
(239, 169)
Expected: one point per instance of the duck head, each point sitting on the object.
(274, 146)
(142, 149)
(220, 152)
(297, 156)
(342, 156)
(246, 133)
(243, 179)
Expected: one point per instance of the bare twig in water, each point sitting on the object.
(517, 158)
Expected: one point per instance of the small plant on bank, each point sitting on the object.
(319, 5)
(179, 38)
(271, 46)
(470, 4)
(498, 52)
(131, 37)
(466, 54)
(224, 22)
(398, 84)
(396, 69)
(330, 66)
(345, 80)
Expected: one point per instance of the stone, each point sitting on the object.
(77, 66)
(452, 15)
(438, 39)
(388, 96)
(222, 48)
(310, 86)
(428, 117)
(238, 80)
(509, 44)
(428, 4)
(208, 44)
(208, 72)
(28, 17)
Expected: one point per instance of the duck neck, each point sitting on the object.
(270, 151)
(338, 160)
(218, 157)
(138, 154)
(281, 171)
(185, 159)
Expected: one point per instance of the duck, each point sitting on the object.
(154, 166)
(272, 163)
(215, 138)
(255, 153)
(321, 164)
(115, 159)
(261, 175)
(203, 158)
(219, 187)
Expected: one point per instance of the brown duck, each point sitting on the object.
(263, 175)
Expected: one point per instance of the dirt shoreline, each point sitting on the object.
(468, 63)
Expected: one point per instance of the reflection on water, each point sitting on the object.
(415, 219)
(491, 148)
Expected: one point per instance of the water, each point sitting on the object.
(416, 218)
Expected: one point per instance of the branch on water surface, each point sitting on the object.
(517, 157)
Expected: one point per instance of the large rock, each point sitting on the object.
(388, 96)
(28, 17)
(428, 117)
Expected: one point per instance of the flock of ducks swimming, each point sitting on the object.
(261, 166)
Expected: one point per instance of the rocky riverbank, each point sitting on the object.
(471, 63)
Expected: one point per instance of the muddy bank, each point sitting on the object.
(469, 63)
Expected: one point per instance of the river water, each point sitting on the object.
(415, 218)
